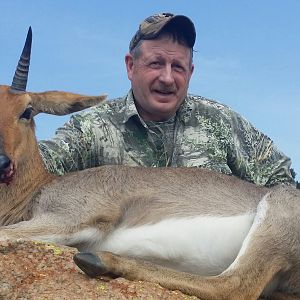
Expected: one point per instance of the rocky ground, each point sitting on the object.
(31, 270)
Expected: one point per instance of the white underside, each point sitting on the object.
(201, 245)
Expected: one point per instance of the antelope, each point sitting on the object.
(204, 233)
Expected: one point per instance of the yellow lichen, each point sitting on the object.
(56, 250)
(101, 287)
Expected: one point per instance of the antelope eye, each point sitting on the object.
(27, 114)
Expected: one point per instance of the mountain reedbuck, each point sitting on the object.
(207, 234)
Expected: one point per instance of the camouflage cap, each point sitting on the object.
(151, 27)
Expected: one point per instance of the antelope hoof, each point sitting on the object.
(90, 264)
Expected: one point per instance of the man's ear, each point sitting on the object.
(129, 65)
(192, 70)
(62, 103)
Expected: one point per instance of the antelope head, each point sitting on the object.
(17, 108)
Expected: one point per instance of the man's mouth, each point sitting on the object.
(164, 92)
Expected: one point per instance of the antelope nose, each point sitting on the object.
(4, 162)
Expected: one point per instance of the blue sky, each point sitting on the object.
(247, 54)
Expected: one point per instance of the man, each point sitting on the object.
(158, 124)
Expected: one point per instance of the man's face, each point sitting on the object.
(159, 77)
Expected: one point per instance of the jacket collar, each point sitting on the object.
(130, 109)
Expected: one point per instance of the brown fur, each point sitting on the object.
(110, 197)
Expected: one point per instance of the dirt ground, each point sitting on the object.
(39, 271)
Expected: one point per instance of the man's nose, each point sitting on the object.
(166, 75)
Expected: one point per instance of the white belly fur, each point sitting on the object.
(202, 245)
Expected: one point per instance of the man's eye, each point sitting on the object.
(178, 68)
(27, 114)
(155, 64)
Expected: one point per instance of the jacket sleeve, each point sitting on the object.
(254, 157)
(71, 147)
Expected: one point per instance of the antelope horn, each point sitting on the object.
(21, 75)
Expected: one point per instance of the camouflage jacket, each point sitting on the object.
(203, 133)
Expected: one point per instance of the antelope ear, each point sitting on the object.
(62, 103)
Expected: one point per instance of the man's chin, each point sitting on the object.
(164, 111)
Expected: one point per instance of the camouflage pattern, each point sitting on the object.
(151, 27)
(203, 133)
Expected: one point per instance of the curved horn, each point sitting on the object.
(20, 78)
